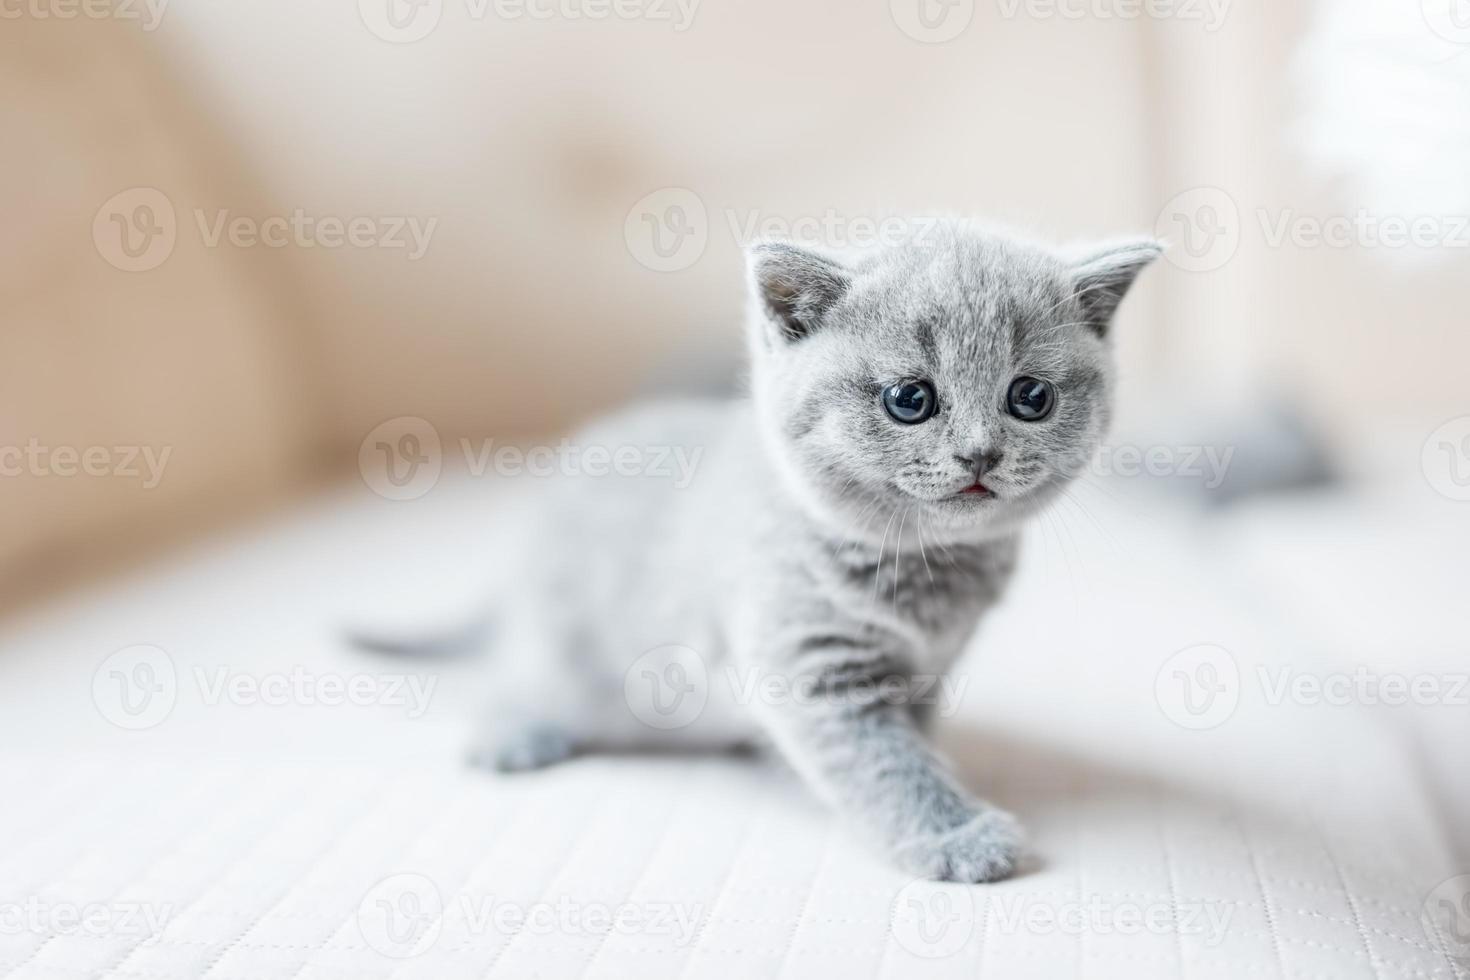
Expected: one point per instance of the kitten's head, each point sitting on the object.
(965, 377)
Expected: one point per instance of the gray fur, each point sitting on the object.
(821, 543)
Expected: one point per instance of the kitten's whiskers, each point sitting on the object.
(878, 569)
(898, 556)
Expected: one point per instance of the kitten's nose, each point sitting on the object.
(980, 462)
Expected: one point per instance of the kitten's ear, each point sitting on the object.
(794, 287)
(1103, 275)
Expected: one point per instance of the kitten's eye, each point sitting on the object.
(1030, 399)
(910, 402)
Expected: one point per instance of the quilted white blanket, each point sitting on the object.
(1219, 780)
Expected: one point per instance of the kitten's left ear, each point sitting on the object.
(795, 287)
(1103, 276)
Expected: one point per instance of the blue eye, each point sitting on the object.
(910, 402)
(1030, 399)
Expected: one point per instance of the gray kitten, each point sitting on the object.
(847, 526)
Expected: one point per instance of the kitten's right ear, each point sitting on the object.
(794, 287)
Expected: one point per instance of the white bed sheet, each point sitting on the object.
(313, 841)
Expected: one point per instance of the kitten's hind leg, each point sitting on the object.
(519, 746)
(530, 698)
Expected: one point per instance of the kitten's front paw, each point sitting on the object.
(984, 849)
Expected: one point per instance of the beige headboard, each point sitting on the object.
(136, 404)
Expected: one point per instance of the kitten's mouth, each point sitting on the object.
(976, 489)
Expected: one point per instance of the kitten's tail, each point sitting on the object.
(463, 640)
